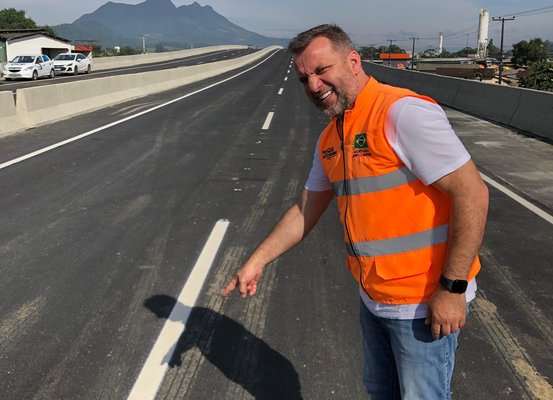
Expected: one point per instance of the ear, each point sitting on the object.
(354, 60)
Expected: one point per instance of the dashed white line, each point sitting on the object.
(280, 91)
(538, 211)
(153, 371)
(285, 78)
(268, 120)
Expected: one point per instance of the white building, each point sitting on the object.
(30, 41)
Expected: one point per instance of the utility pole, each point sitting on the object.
(502, 19)
(413, 53)
(390, 51)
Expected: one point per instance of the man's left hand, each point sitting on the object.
(447, 312)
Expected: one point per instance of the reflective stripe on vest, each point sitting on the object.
(401, 244)
(372, 184)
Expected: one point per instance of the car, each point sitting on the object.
(72, 63)
(31, 66)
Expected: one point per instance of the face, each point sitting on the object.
(328, 76)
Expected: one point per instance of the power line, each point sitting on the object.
(541, 10)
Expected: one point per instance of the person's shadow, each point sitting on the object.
(235, 351)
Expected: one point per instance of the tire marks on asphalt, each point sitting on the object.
(500, 336)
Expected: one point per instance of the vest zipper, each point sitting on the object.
(340, 131)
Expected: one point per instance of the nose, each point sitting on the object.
(313, 83)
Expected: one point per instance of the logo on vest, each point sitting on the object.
(329, 153)
(361, 145)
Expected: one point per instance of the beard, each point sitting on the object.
(342, 104)
(344, 101)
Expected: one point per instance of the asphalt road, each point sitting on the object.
(156, 66)
(100, 235)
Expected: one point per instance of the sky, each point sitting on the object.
(368, 22)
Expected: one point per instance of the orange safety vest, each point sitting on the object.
(395, 227)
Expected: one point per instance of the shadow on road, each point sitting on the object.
(236, 352)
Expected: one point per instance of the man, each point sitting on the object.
(413, 208)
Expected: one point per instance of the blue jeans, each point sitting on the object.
(402, 361)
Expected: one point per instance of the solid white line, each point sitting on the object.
(153, 371)
(280, 91)
(518, 199)
(268, 120)
(83, 135)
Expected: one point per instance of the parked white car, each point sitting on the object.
(31, 66)
(72, 63)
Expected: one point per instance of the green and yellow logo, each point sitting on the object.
(360, 141)
(361, 146)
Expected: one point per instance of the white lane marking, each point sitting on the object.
(83, 135)
(538, 211)
(285, 78)
(268, 120)
(153, 371)
(280, 91)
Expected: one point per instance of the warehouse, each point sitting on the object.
(30, 41)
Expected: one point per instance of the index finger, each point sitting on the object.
(230, 287)
(436, 328)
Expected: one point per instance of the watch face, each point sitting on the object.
(459, 286)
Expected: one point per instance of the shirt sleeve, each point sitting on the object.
(318, 180)
(420, 134)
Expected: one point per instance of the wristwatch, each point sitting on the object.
(454, 286)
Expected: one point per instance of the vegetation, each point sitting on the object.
(373, 53)
(10, 18)
(493, 51)
(526, 53)
(538, 75)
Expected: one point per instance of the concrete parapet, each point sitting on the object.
(443, 90)
(534, 113)
(8, 118)
(101, 63)
(524, 109)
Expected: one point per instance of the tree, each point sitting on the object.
(492, 50)
(368, 53)
(10, 18)
(525, 53)
(128, 51)
(465, 52)
(539, 76)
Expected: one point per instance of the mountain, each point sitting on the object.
(161, 22)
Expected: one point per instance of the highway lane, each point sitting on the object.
(99, 237)
(176, 63)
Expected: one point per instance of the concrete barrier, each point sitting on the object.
(522, 109)
(534, 113)
(102, 63)
(8, 118)
(45, 104)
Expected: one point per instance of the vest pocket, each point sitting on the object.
(403, 265)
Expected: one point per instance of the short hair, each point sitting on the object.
(339, 39)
